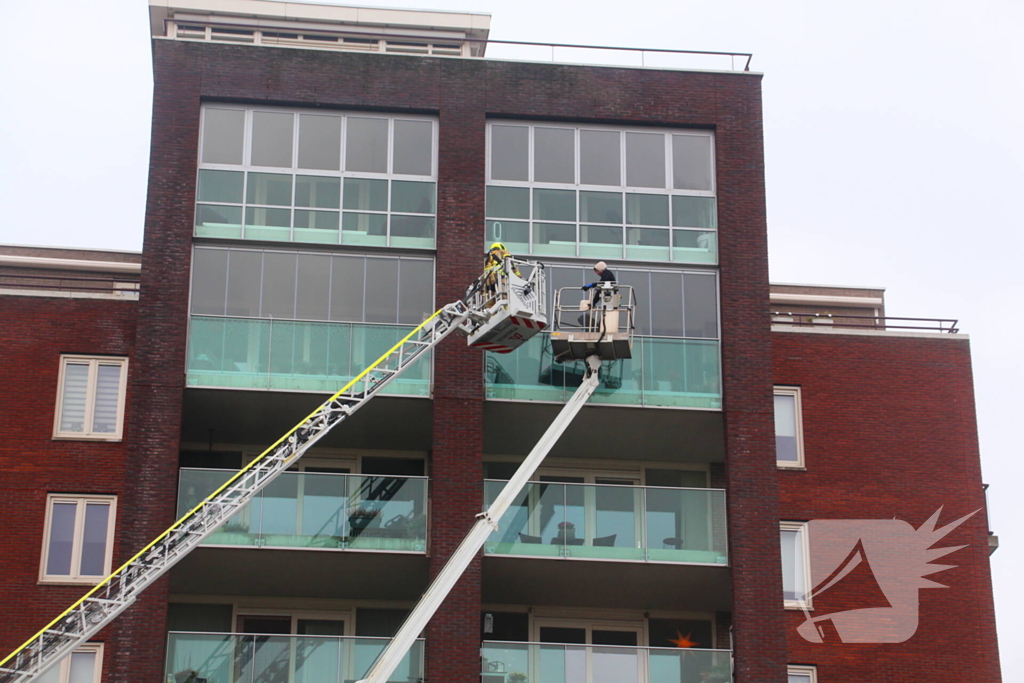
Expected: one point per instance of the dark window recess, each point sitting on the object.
(325, 39)
(275, 34)
(191, 28)
(563, 634)
(232, 31)
(264, 625)
(220, 460)
(379, 623)
(500, 470)
(667, 632)
(689, 479)
(507, 626)
(203, 618)
(393, 467)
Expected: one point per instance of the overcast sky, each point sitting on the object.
(893, 144)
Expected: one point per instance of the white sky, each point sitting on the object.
(893, 146)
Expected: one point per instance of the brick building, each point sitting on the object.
(321, 179)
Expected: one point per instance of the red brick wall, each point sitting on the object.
(34, 333)
(463, 93)
(890, 432)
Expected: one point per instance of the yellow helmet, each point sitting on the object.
(497, 245)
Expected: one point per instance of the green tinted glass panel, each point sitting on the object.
(363, 194)
(554, 205)
(508, 202)
(317, 192)
(515, 236)
(319, 220)
(646, 209)
(409, 197)
(220, 186)
(601, 207)
(269, 188)
(693, 212)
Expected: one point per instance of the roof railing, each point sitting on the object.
(69, 283)
(868, 322)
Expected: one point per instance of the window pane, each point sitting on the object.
(554, 155)
(412, 197)
(366, 145)
(319, 220)
(245, 273)
(666, 304)
(554, 205)
(691, 162)
(314, 286)
(278, 218)
(212, 217)
(799, 678)
(601, 207)
(645, 160)
(364, 228)
(554, 238)
(415, 291)
(414, 147)
(347, 275)
(646, 209)
(693, 212)
(320, 142)
(508, 202)
(220, 186)
(785, 428)
(793, 584)
(600, 157)
(363, 194)
(412, 226)
(269, 188)
(510, 152)
(209, 280)
(223, 135)
(640, 281)
(278, 286)
(108, 392)
(83, 667)
(271, 139)
(317, 192)
(515, 236)
(701, 305)
(601, 241)
(62, 534)
(72, 409)
(94, 539)
(647, 243)
(381, 290)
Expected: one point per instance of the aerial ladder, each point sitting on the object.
(503, 308)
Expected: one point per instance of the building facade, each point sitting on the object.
(322, 179)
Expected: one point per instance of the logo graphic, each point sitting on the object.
(872, 570)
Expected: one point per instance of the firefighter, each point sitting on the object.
(493, 264)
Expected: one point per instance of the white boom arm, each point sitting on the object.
(486, 523)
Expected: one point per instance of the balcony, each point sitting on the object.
(607, 522)
(242, 658)
(319, 510)
(504, 662)
(246, 353)
(665, 372)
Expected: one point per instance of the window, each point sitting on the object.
(802, 674)
(90, 398)
(795, 564)
(289, 285)
(601, 192)
(296, 176)
(789, 432)
(84, 665)
(78, 538)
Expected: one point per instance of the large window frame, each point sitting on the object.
(62, 672)
(804, 673)
(93, 364)
(797, 427)
(370, 225)
(682, 242)
(75, 575)
(801, 565)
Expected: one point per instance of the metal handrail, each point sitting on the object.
(881, 322)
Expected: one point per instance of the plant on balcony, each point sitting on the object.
(566, 530)
(235, 528)
(517, 677)
(361, 516)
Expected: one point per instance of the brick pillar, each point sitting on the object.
(159, 364)
(453, 636)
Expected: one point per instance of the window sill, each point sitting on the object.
(797, 605)
(62, 581)
(109, 438)
(788, 466)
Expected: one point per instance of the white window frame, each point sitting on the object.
(811, 672)
(798, 417)
(63, 670)
(803, 542)
(76, 547)
(90, 398)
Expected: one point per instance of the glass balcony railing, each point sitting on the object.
(293, 356)
(679, 373)
(242, 658)
(319, 510)
(504, 662)
(607, 522)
